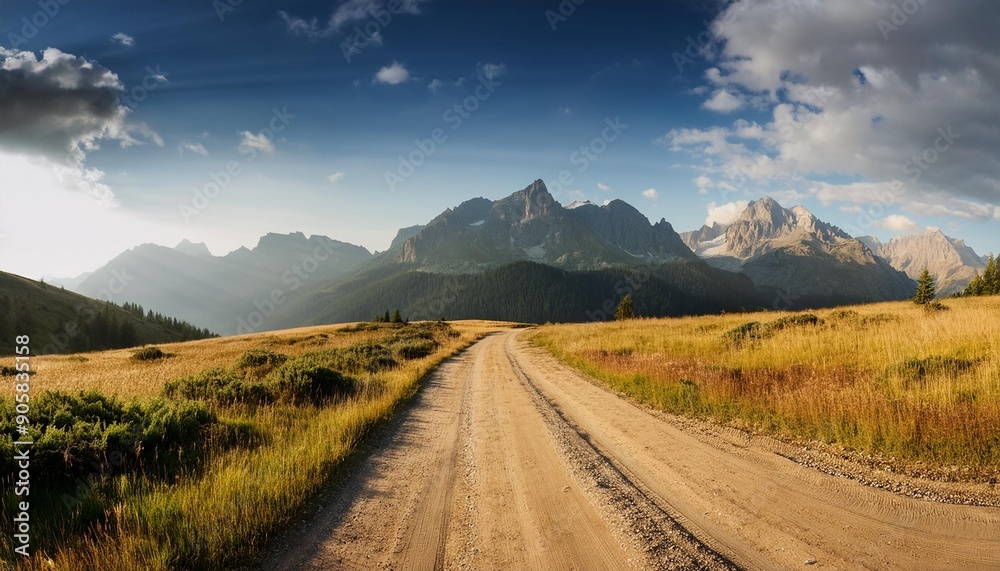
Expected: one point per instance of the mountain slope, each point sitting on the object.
(530, 225)
(952, 263)
(794, 252)
(529, 292)
(60, 321)
(219, 292)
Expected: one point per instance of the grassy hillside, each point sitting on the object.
(194, 456)
(889, 379)
(59, 321)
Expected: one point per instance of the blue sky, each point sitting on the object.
(139, 108)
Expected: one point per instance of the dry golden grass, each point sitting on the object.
(221, 515)
(885, 378)
(118, 373)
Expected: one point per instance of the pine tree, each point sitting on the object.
(989, 282)
(396, 317)
(624, 310)
(925, 288)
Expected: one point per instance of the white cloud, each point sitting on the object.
(302, 27)
(435, 85)
(193, 147)
(349, 12)
(703, 183)
(650, 193)
(723, 101)
(60, 107)
(393, 74)
(491, 70)
(357, 10)
(335, 177)
(123, 39)
(845, 101)
(899, 223)
(725, 214)
(254, 143)
(603, 187)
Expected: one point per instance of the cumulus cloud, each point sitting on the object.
(912, 107)
(603, 187)
(703, 183)
(393, 74)
(123, 39)
(725, 214)
(192, 147)
(335, 177)
(899, 223)
(723, 101)
(251, 143)
(650, 193)
(60, 107)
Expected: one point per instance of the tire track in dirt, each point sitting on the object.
(508, 459)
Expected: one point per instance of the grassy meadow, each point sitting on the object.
(892, 379)
(193, 455)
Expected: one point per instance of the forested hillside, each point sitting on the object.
(59, 321)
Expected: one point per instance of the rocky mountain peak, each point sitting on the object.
(192, 249)
(952, 263)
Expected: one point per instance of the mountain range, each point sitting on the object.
(528, 258)
(952, 263)
(805, 258)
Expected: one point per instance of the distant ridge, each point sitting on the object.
(793, 251)
(952, 263)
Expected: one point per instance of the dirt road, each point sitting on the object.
(509, 460)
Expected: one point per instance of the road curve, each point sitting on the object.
(509, 459)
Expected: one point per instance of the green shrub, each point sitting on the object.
(219, 386)
(801, 320)
(413, 349)
(302, 380)
(256, 364)
(368, 357)
(6, 371)
(916, 370)
(745, 333)
(845, 314)
(148, 353)
(260, 358)
(74, 432)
